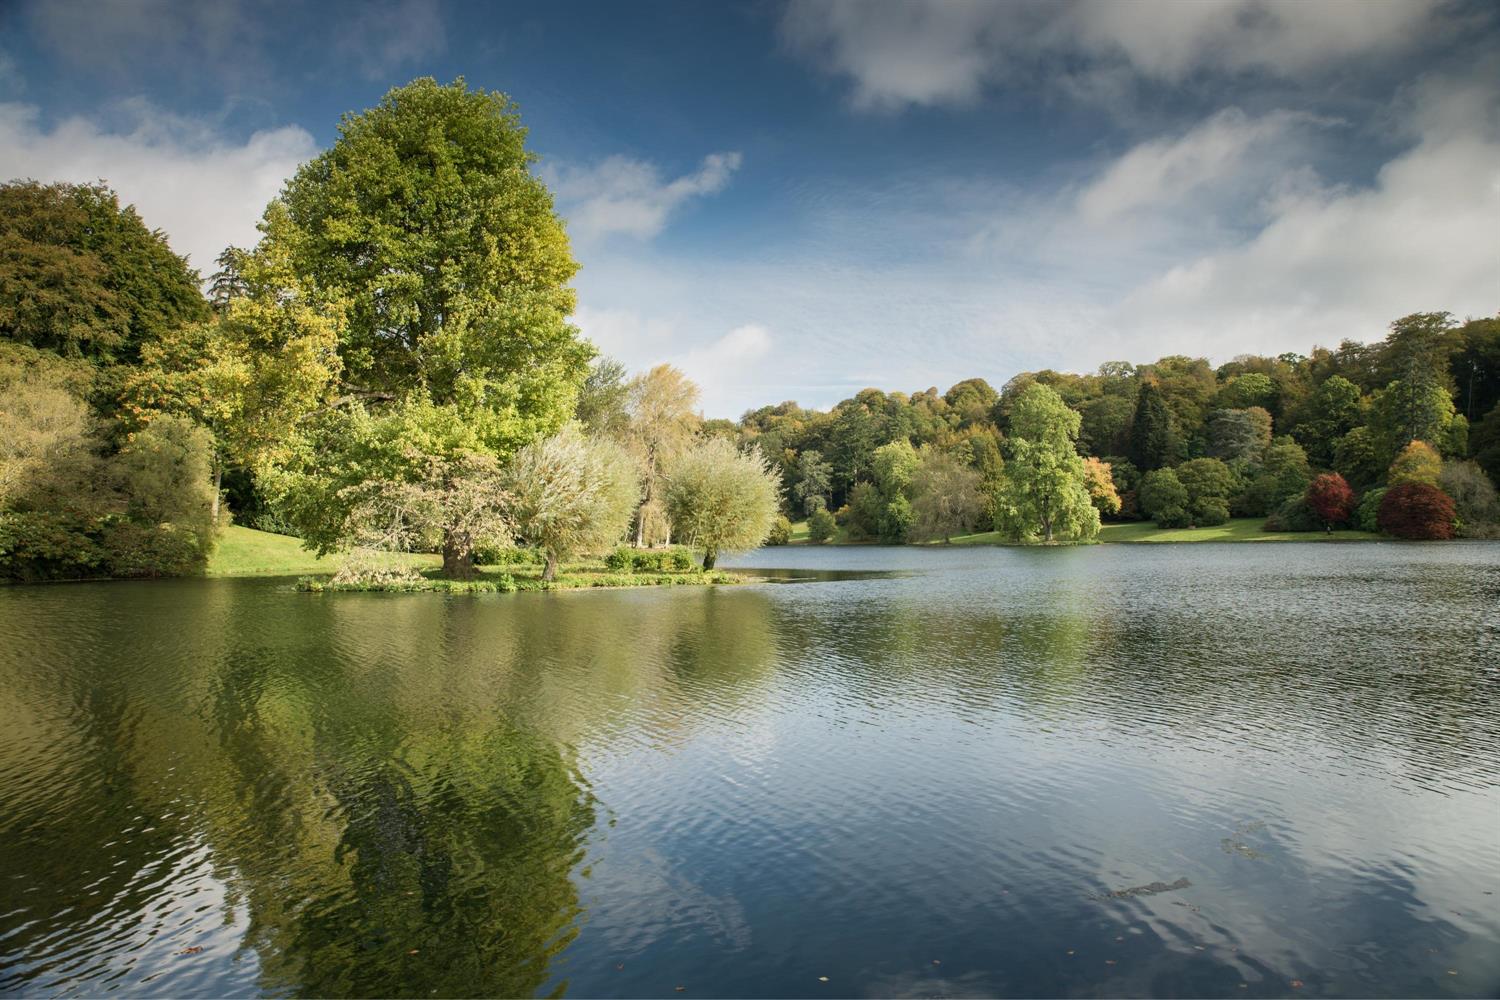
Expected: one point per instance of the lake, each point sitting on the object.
(1217, 770)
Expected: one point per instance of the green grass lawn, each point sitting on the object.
(247, 552)
(1241, 529)
(840, 537)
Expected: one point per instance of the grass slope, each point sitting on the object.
(247, 552)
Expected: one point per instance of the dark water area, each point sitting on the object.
(1198, 770)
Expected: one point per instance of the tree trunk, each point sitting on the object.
(1047, 526)
(218, 488)
(458, 554)
(709, 557)
(549, 572)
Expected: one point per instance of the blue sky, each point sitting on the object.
(796, 200)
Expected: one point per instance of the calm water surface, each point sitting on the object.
(939, 781)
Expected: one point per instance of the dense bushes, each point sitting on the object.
(1164, 499)
(821, 526)
(1367, 514)
(1474, 499)
(1416, 510)
(628, 560)
(781, 531)
(69, 510)
(1295, 514)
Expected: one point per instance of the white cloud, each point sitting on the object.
(933, 52)
(624, 196)
(1338, 262)
(731, 363)
(205, 191)
(1162, 172)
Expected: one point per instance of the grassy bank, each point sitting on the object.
(247, 552)
(1240, 529)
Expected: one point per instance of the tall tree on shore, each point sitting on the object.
(425, 225)
(721, 499)
(1043, 489)
(572, 495)
(1152, 441)
(663, 407)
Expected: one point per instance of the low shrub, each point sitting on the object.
(821, 526)
(1210, 511)
(781, 531)
(1367, 514)
(1295, 514)
(1416, 510)
(628, 560)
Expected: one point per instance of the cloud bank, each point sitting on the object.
(936, 52)
(205, 191)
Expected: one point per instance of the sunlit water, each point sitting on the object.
(936, 781)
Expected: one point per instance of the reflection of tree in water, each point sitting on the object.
(386, 843)
(458, 854)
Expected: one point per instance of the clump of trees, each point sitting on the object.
(391, 367)
(1245, 439)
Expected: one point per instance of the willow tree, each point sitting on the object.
(571, 494)
(1043, 489)
(426, 228)
(721, 499)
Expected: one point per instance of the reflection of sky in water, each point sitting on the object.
(925, 782)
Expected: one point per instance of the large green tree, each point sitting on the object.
(1043, 490)
(425, 226)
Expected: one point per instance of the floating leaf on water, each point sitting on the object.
(191, 950)
(1149, 889)
(414, 951)
(1070, 951)
(1296, 983)
(822, 979)
(1109, 961)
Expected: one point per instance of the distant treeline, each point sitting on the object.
(1270, 425)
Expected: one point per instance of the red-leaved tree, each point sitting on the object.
(1416, 510)
(1330, 498)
